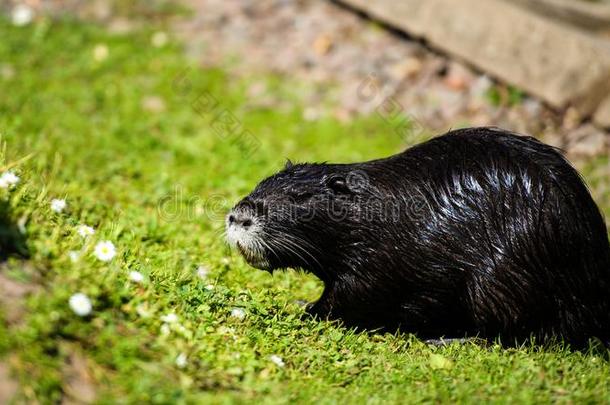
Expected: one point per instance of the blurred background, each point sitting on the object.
(540, 67)
(145, 121)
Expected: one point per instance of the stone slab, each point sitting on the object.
(554, 61)
(588, 15)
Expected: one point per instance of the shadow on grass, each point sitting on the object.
(12, 241)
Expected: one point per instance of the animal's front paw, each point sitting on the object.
(441, 342)
(317, 310)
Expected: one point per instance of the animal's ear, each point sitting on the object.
(288, 164)
(337, 184)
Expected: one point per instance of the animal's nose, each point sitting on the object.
(240, 219)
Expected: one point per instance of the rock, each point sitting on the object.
(555, 62)
(322, 44)
(602, 115)
(458, 77)
(588, 141)
(407, 68)
(359, 68)
(590, 15)
(553, 138)
(571, 119)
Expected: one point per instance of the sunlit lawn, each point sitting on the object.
(129, 135)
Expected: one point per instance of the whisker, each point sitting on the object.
(297, 246)
(291, 248)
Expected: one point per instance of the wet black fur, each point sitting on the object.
(476, 232)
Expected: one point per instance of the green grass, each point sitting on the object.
(157, 184)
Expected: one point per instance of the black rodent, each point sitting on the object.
(476, 232)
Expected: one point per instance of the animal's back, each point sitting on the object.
(508, 224)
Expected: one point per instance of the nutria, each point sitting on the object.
(476, 232)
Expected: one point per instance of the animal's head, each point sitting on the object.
(298, 217)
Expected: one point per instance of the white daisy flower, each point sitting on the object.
(105, 251)
(74, 256)
(159, 39)
(58, 205)
(170, 318)
(165, 329)
(85, 230)
(80, 304)
(22, 15)
(100, 52)
(136, 276)
(238, 313)
(202, 272)
(142, 310)
(181, 360)
(3, 183)
(8, 180)
(277, 360)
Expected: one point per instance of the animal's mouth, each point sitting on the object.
(253, 258)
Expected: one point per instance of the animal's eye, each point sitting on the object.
(337, 184)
